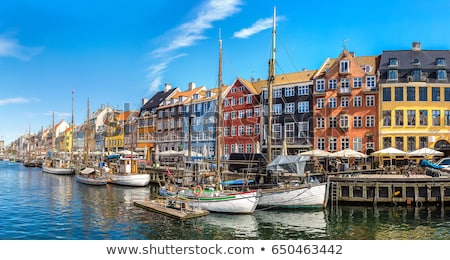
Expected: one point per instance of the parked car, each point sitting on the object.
(444, 162)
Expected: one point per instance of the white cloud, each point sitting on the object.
(11, 48)
(258, 26)
(17, 100)
(188, 34)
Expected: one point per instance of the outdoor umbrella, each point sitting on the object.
(391, 151)
(348, 153)
(316, 153)
(426, 152)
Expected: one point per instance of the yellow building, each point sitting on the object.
(414, 109)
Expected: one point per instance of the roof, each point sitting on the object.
(156, 100)
(282, 79)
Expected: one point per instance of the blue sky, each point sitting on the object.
(122, 51)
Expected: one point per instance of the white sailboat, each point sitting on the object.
(212, 198)
(90, 175)
(289, 195)
(57, 165)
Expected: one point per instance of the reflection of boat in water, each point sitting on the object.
(305, 221)
(244, 226)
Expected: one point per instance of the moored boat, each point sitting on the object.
(91, 176)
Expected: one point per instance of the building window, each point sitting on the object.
(249, 99)
(447, 117)
(446, 94)
(410, 93)
(423, 142)
(392, 75)
(289, 108)
(241, 114)
(257, 112)
(435, 94)
(370, 101)
(248, 129)
(416, 74)
(320, 122)
(411, 143)
(387, 94)
(320, 85)
(248, 148)
(289, 131)
(423, 117)
(277, 109)
(411, 117)
(277, 131)
(248, 113)
(333, 122)
(332, 102)
(233, 131)
(303, 107)
(345, 143)
(332, 84)
(344, 66)
(387, 118)
(241, 100)
(357, 121)
(277, 93)
(387, 142)
(440, 61)
(357, 101)
(321, 143)
(233, 101)
(398, 93)
(332, 142)
(393, 62)
(344, 101)
(303, 90)
(303, 129)
(357, 144)
(345, 85)
(370, 121)
(436, 115)
(226, 116)
(442, 74)
(423, 94)
(371, 82)
(357, 82)
(343, 121)
(256, 129)
(226, 131)
(289, 92)
(398, 117)
(320, 103)
(399, 142)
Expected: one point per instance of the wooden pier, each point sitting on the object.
(172, 208)
(416, 189)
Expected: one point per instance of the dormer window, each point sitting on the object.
(415, 62)
(195, 97)
(393, 62)
(208, 94)
(440, 62)
(344, 66)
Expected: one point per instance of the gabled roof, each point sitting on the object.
(156, 100)
(282, 79)
(371, 61)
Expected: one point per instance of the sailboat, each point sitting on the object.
(126, 171)
(299, 194)
(29, 161)
(90, 175)
(213, 198)
(56, 165)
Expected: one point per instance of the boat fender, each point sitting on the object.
(198, 190)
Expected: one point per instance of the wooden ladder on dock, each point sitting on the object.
(333, 194)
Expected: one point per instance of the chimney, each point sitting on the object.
(167, 87)
(144, 101)
(126, 107)
(416, 46)
(191, 85)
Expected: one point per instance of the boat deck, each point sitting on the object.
(173, 208)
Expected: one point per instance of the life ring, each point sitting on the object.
(197, 190)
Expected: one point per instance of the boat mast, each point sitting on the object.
(72, 132)
(219, 120)
(86, 136)
(53, 134)
(270, 82)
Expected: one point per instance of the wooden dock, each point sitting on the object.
(172, 208)
(394, 189)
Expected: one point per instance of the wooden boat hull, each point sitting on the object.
(135, 180)
(58, 171)
(312, 195)
(96, 181)
(232, 203)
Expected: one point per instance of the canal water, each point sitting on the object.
(41, 206)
